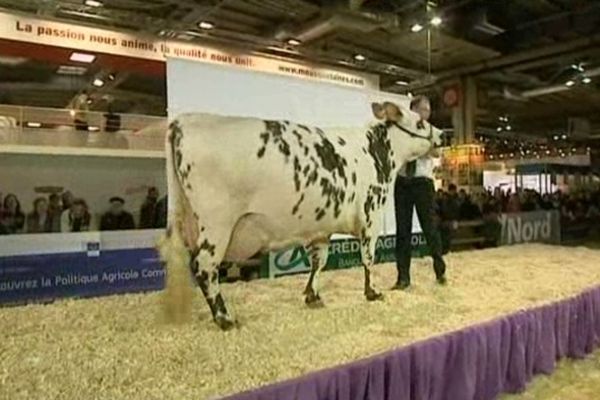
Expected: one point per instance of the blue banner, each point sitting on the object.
(26, 278)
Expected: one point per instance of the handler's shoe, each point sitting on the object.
(441, 280)
(402, 285)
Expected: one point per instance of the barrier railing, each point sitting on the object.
(62, 128)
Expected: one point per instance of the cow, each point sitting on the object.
(239, 186)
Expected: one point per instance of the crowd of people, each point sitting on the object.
(67, 213)
(576, 206)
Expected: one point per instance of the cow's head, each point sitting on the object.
(418, 136)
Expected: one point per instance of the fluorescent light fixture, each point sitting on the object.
(34, 124)
(436, 21)
(416, 28)
(359, 57)
(294, 42)
(93, 3)
(570, 83)
(70, 70)
(586, 80)
(98, 82)
(206, 25)
(401, 83)
(82, 57)
(93, 128)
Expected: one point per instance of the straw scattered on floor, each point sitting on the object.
(118, 348)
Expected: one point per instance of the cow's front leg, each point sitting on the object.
(318, 259)
(367, 250)
(205, 269)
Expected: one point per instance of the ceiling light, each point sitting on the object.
(206, 25)
(359, 57)
(70, 70)
(82, 57)
(294, 42)
(98, 82)
(93, 128)
(586, 80)
(578, 67)
(111, 77)
(564, 136)
(416, 28)
(508, 127)
(555, 137)
(93, 3)
(570, 83)
(499, 129)
(401, 83)
(34, 124)
(436, 21)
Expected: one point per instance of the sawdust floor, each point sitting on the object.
(118, 348)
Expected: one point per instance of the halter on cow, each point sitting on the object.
(240, 186)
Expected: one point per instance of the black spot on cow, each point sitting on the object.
(380, 149)
(330, 159)
(297, 170)
(196, 217)
(354, 178)
(334, 195)
(341, 141)
(305, 128)
(352, 197)
(175, 135)
(320, 214)
(297, 205)
(202, 229)
(188, 186)
(305, 151)
(274, 134)
(305, 170)
(207, 246)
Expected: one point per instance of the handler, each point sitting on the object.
(414, 187)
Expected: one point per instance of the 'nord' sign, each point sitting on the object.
(537, 226)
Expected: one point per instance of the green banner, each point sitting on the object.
(343, 253)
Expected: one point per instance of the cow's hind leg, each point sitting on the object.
(367, 250)
(209, 253)
(318, 259)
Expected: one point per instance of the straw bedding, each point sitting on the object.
(118, 348)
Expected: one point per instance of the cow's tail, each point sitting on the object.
(178, 293)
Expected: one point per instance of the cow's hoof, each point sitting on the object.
(226, 324)
(314, 301)
(374, 296)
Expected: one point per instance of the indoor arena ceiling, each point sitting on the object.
(523, 52)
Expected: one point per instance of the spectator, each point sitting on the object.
(54, 206)
(81, 109)
(67, 200)
(514, 204)
(148, 209)
(40, 220)
(160, 217)
(113, 121)
(77, 218)
(12, 217)
(116, 219)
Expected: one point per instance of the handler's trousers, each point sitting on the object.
(417, 192)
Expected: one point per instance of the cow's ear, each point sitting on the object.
(392, 111)
(378, 110)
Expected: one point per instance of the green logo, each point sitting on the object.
(297, 256)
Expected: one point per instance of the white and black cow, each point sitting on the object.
(246, 185)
